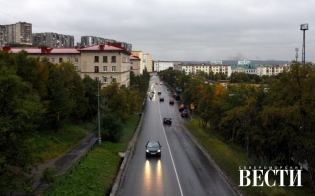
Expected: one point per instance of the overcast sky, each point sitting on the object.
(179, 30)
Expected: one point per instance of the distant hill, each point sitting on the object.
(232, 62)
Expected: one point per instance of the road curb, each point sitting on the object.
(126, 159)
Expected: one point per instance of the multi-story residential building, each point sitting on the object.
(207, 68)
(19, 33)
(271, 70)
(87, 41)
(148, 62)
(109, 63)
(163, 65)
(139, 54)
(135, 64)
(53, 40)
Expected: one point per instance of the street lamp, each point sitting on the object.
(304, 27)
(247, 147)
(98, 112)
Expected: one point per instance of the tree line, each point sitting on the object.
(39, 95)
(274, 123)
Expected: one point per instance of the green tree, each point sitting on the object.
(20, 110)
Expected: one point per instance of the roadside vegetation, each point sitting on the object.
(46, 108)
(97, 173)
(273, 122)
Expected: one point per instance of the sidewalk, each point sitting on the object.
(64, 162)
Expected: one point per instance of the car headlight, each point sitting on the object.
(147, 150)
(159, 151)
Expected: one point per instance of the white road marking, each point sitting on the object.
(180, 187)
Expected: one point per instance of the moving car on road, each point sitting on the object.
(159, 92)
(184, 113)
(181, 107)
(153, 148)
(161, 98)
(167, 120)
(172, 101)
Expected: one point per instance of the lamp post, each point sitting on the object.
(303, 27)
(247, 147)
(98, 112)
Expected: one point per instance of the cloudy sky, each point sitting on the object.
(179, 30)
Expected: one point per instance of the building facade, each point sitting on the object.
(53, 40)
(87, 41)
(207, 68)
(135, 65)
(105, 62)
(19, 33)
(163, 65)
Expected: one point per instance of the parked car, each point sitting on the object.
(177, 97)
(184, 113)
(161, 98)
(172, 101)
(153, 148)
(181, 107)
(167, 120)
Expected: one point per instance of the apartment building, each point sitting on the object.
(271, 70)
(87, 41)
(244, 68)
(109, 63)
(52, 40)
(207, 68)
(139, 54)
(19, 33)
(163, 65)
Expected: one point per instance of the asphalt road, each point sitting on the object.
(182, 169)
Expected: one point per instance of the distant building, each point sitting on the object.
(53, 40)
(244, 68)
(244, 62)
(207, 68)
(271, 70)
(216, 62)
(19, 33)
(87, 41)
(146, 61)
(163, 65)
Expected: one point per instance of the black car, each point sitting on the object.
(177, 97)
(153, 148)
(161, 98)
(184, 113)
(167, 120)
(171, 101)
(159, 92)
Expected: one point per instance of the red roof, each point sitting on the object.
(76, 50)
(132, 57)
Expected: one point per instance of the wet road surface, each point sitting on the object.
(182, 169)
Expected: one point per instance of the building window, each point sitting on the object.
(104, 59)
(113, 59)
(76, 68)
(131, 68)
(60, 60)
(53, 60)
(96, 59)
(96, 69)
(114, 80)
(113, 68)
(104, 68)
(76, 59)
(104, 80)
